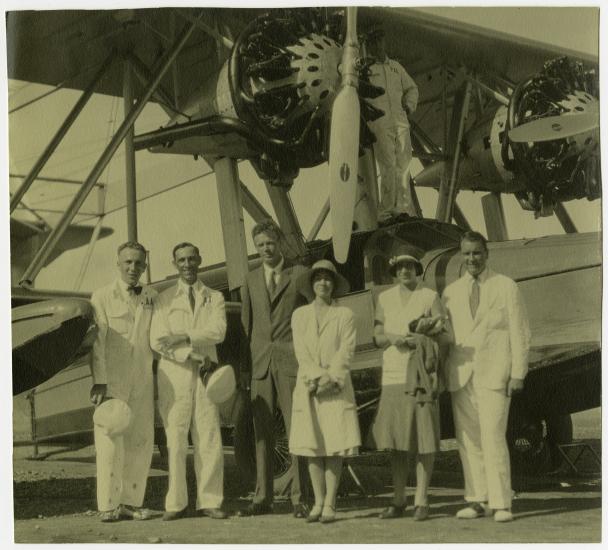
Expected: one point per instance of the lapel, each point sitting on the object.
(259, 289)
(332, 313)
(483, 301)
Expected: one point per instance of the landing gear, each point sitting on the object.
(533, 445)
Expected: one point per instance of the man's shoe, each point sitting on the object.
(300, 511)
(135, 512)
(503, 516)
(171, 516)
(421, 513)
(213, 513)
(255, 509)
(474, 510)
(110, 516)
(392, 512)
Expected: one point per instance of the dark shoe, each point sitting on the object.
(328, 515)
(300, 511)
(110, 516)
(255, 509)
(214, 513)
(170, 516)
(392, 512)
(314, 514)
(421, 513)
(135, 512)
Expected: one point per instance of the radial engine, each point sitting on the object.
(276, 90)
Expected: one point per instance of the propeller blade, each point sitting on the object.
(554, 127)
(344, 144)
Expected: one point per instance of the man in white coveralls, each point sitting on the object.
(123, 388)
(188, 322)
(393, 146)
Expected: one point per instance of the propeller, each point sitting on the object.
(344, 143)
(554, 127)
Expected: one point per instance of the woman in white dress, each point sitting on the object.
(404, 422)
(324, 425)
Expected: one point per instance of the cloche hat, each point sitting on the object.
(304, 281)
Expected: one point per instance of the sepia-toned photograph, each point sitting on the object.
(304, 275)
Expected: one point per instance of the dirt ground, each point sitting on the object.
(54, 502)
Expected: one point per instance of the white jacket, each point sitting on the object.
(206, 327)
(121, 352)
(494, 345)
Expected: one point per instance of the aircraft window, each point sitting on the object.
(380, 274)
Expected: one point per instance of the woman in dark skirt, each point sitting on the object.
(410, 322)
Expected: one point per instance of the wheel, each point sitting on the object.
(559, 431)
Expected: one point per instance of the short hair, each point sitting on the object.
(267, 226)
(133, 245)
(474, 237)
(184, 245)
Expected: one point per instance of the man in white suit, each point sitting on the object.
(486, 365)
(122, 370)
(188, 322)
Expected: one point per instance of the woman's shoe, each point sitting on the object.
(328, 517)
(421, 513)
(314, 514)
(392, 512)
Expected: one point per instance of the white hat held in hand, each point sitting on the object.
(113, 417)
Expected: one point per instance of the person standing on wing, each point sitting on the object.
(189, 321)
(123, 388)
(393, 146)
(486, 365)
(269, 297)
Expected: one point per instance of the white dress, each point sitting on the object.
(401, 423)
(327, 425)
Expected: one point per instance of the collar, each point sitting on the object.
(123, 287)
(276, 269)
(481, 278)
(182, 288)
(385, 61)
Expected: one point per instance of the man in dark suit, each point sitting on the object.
(269, 297)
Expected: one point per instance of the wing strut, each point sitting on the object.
(45, 251)
(447, 195)
(63, 130)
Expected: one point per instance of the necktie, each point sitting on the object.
(134, 290)
(272, 284)
(191, 298)
(474, 298)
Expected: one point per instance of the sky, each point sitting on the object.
(191, 211)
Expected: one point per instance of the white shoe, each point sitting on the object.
(473, 511)
(502, 516)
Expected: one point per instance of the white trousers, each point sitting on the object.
(480, 419)
(123, 462)
(393, 152)
(184, 407)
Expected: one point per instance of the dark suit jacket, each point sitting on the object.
(267, 323)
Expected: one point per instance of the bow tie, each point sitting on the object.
(136, 290)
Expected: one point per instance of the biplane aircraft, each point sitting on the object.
(286, 89)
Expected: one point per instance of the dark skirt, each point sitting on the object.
(402, 424)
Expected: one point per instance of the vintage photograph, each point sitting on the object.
(305, 275)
